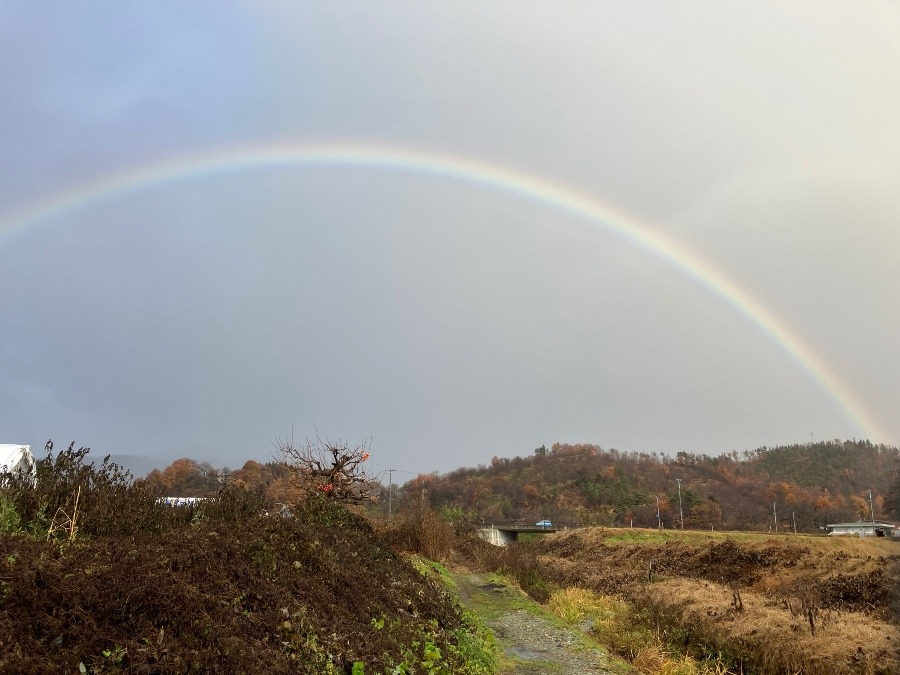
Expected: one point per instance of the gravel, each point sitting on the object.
(533, 642)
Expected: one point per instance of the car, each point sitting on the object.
(544, 523)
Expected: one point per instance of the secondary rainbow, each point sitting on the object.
(461, 169)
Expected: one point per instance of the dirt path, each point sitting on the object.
(533, 641)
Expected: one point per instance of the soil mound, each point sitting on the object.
(315, 592)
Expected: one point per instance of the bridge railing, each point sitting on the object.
(514, 525)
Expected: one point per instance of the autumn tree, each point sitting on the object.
(332, 469)
(860, 506)
(892, 498)
(282, 490)
(252, 475)
(705, 513)
(185, 477)
(583, 482)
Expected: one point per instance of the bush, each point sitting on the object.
(327, 468)
(73, 496)
(9, 517)
(227, 589)
(421, 531)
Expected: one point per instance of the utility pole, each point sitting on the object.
(871, 506)
(680, 510)
(390, 489)
(658, 519)
(794, 518)
(775, 512)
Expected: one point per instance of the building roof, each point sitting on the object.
(13, 457)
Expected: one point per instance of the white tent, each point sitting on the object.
(17, 458)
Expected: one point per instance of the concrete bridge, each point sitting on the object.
(501, 534)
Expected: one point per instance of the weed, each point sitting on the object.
(9, 517)
(576, 605)
(71, 495)
(628, 632)
(474, 645)
(421, 531)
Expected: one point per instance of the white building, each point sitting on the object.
(863, 529)
(182, 501)
(17, 459)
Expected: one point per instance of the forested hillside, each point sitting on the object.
(812, 484)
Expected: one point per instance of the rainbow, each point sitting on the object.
(465, 170)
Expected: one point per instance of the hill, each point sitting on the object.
(810, 484)
(96, 575)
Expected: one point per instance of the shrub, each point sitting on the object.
(421, 531)
(9, 518)
(228, 590)
(71, 495)
(520, 562)
(331, 469)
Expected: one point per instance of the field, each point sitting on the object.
(769, 603)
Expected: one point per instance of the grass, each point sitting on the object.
(620, 626)
(774, 602)
(476, 643)
(577, 605)
(428, 567)
(493, 596)
(773, 636)
(654, 536)
(503, 597)
(874, 546)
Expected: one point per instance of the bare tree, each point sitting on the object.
(332, 469)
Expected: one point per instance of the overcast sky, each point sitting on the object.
(447, 320)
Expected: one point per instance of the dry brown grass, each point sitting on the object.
(779, 603)
(779, 634)
(650, 660)
(420, 531)
(855, 546)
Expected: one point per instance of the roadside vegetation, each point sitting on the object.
(751, 602)
(699, 602)
(97, 576)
